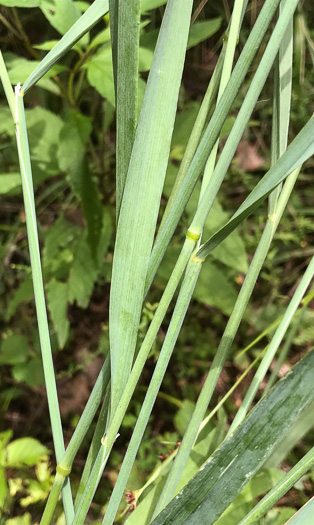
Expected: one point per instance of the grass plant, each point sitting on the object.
(144, 134)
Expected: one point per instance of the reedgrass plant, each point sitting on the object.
(142, 155)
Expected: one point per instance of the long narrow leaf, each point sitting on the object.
(298, 152)
(212, 131)
(223, 477)
(142, 192)
(280, 489)
(125, 24)
(96, 11)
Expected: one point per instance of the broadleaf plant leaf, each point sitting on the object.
(298, 152)
(143, 188)
(232, 466)
(61, 14)
(96, 11)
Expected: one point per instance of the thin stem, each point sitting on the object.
(197, 131)
(182, 303)
(284, 352)
(65, 465)
(94, 448)
(187, 444)
(117, 418)
(273, 346)
(30, 212)
(280, 489)
(213, 129)
(239, 308)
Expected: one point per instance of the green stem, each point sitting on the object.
(196, 133)
(240, 305)
(117, 418)
(280, 489)
(284, 352)
(273, 346)
(65, 465)
(30, 212)
(182, 304)
(94, 448)
(213, 129)
(52, 500)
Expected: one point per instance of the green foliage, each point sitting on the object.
(70, 144)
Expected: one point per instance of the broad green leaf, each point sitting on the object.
(61, 14)
(30, 373)
(263, 481)
(20, 3)
(9, 181)
(182, 417)
(97, 10)
(199, 31)
(74, 136)
(24, 292)
(20, 68)
(83, 275)
(44, 130)
(25, 451)
(5, 438)
(147, 5)
(278, 516)
(237, 460)
(14, 350)
(125, 34)
(141, 198)
(298, 152)
(3, 486)
(202, 30)
(57, 299)
(100, 74)
(21, 520)
(305, 515)
(214, 289)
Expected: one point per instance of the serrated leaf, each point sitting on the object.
(14, 350)
(98, 9)
(100, 74)
(74, 135)
(25, 451)
(44, 129)
(57, 299)
(83, 275)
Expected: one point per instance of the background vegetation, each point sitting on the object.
(72, 112)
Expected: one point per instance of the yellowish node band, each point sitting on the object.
(192, 235)
(198, 259)
(63, 471)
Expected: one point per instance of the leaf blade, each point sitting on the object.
(240, 456)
